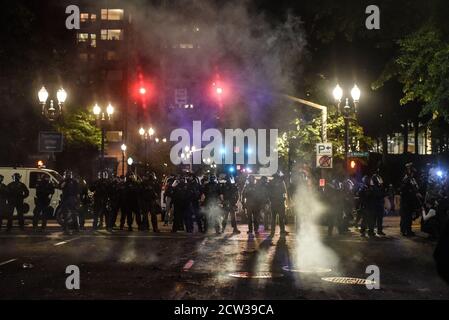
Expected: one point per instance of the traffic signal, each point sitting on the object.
(352, 164)
(142, 90)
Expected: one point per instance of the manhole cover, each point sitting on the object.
(255, 275)
(348, 280)
(306, 269)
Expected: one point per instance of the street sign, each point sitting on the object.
(322, 182)
(324, 155)
(50, 141)
(358, 154)
(324, 149)
(324, 162)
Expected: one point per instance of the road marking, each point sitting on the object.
(188, 265)
(6, 262)
(66, 241)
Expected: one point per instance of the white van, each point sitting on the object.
(29, 178)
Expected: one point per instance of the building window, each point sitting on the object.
(84, 17)
(111, 34)
(93, 40)
(114, 75)
(93, 17)
(82, 37)
(112, 14)
(111, 56)
(83, 57)
(186, 46)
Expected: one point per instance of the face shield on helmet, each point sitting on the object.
(16, 177)
(365, 180)
(68, 175)
(348, 185)
(376, 180)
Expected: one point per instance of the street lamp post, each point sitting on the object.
(146, 135)
(102, 119)
(347, 110)
(123, 148)
(50, 112)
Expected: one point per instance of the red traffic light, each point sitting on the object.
(352, 164)
(142, 90)
(219, 90)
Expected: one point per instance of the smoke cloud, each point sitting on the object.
(310, 251)
(259, 56)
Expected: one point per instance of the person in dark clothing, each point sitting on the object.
(69, 202)
(213, 200)
(100, 188)
(277, 194)
(263, 193)
(148, 202)
(348, 204)
(44, 193)
(131, 201)
(115, 195)
(366, 212)
(334, 198)
(85, 202)
(441, 254)
(230, 194)
(378, 202)
(182, 213)
(252, 205)
(410, 200)
(195, 188)
(3, 201)
(17, 193)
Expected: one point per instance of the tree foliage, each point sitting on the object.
(299, 143)
(422, 67)
(78, 130)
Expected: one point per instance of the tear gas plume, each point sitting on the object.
(310, 251)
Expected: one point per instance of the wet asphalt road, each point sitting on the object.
(142, 265)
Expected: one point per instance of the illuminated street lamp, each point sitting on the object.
(102, 119)
(123, 148)
(347, 110)
(146, 135)
(50, 112)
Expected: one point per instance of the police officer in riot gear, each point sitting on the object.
(334, 199)
(17, 193)
(410, 200)
(182, 214)
(114, 199)
(378, 201)
(148, 203)
(44, 193)
(263, 192)
(100, 189)
(212, 202)
(252, 205)
(70, 197)
(277, 194)
(366, 212)
(195, 189)
(348, 204)
(131, 201)
(3, 200)
(84, 201)
(230, 194)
